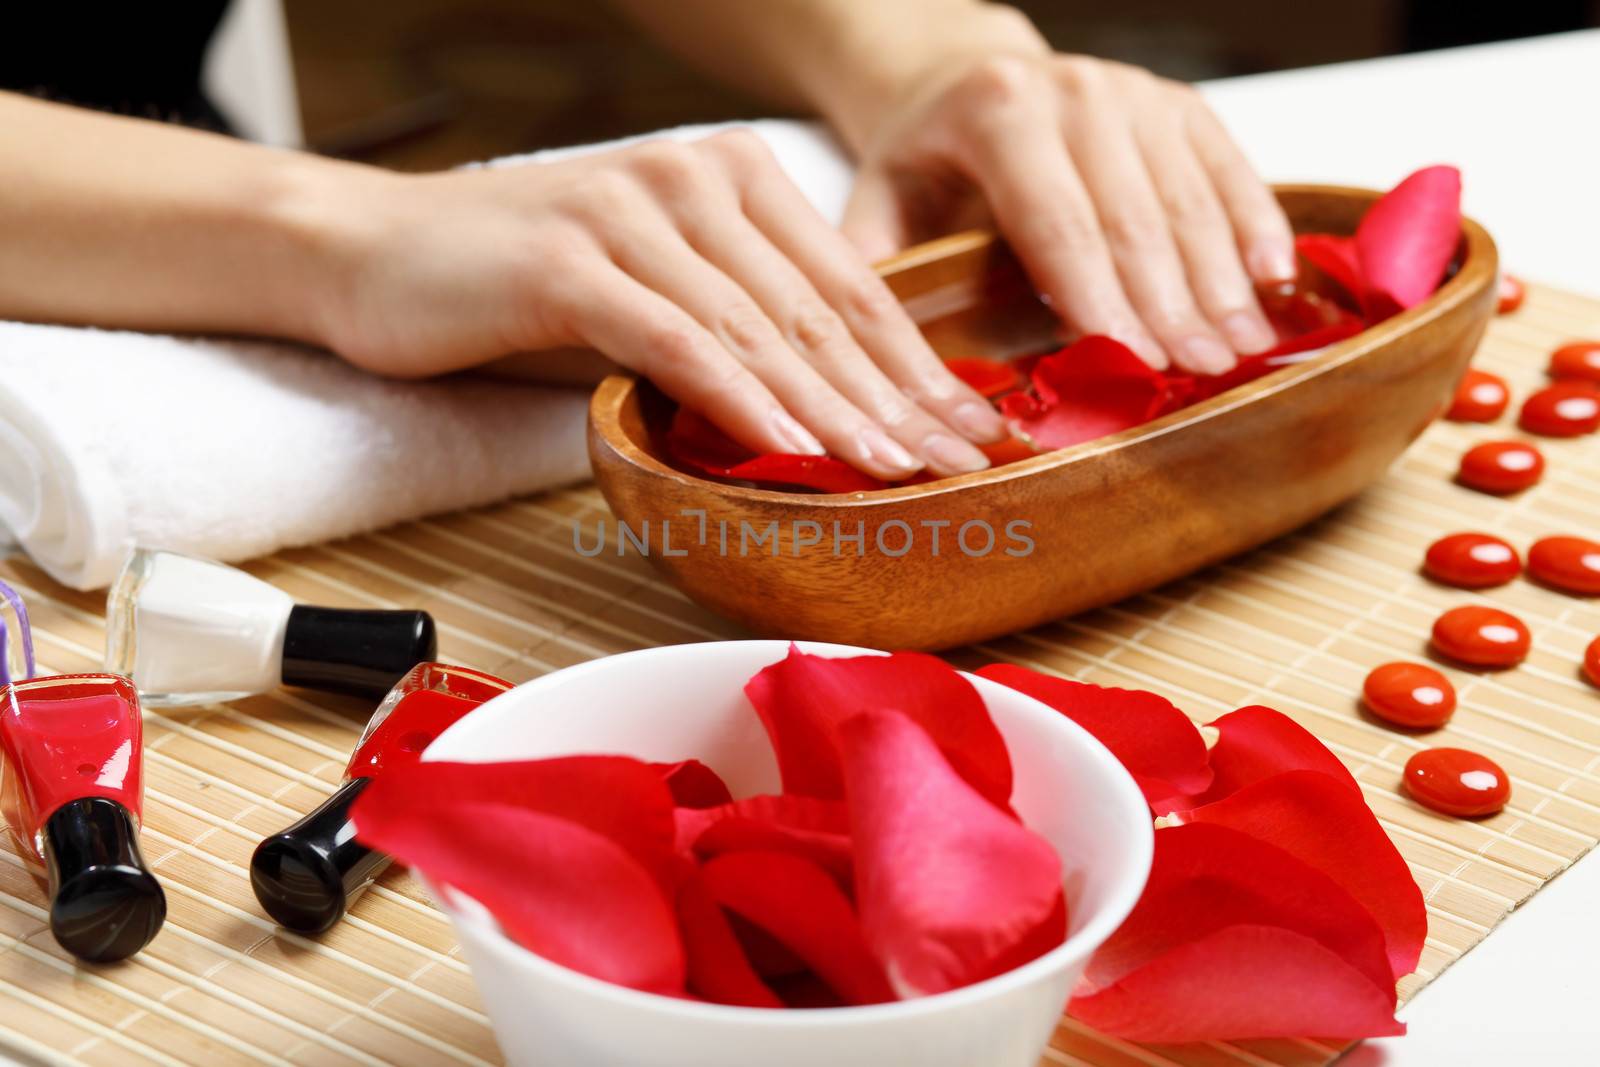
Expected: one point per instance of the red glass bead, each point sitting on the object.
(1512, 293)
(1481, 636)
(1481, 397)
(1591, 661)
(1501, 467)
(1565, 409)
(1410, 694)
(1471, 561)
(1579, 360)
(1457, 782)
(1568, 563)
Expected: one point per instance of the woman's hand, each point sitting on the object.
(1131, 208)
(697, 265)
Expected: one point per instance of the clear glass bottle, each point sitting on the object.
(189, 630)
(16, 640)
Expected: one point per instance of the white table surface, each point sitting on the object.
(1517, 119)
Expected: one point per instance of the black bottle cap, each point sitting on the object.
(304, 875)
(104, 904)
(362, 653)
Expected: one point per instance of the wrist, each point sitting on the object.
(319, 220)
(878, 83)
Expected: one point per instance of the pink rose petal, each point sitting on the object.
(947, 883)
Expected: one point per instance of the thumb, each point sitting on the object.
(874, 218)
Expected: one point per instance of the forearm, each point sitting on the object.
(119, 222)
(847, 60)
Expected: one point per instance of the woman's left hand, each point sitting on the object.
(1131, 208)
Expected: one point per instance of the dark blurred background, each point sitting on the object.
(420, 84)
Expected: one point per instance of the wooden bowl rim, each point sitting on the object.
(1479, 266)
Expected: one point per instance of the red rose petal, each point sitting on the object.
(1093, 387)
(990, 377)
(1206, 878)
(947, 883)
(556, 887)
(1255, 743)
(803, 699)
(620, 798)
(693, 784)
(1320, 820)
(817, 830)
(694, 442)
(1155, 741)
(717, 967)
(1406, 240)
(1235, 938)
(1336, 257)
(797, 903)
(772, 961)
(822, 473)
(1242, 982)
(1011, 450)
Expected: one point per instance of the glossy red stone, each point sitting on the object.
(1512, 293)
(1471, 561)
(1591, 661)
(1568, 563)
(1501, 467)
(1410, 694)
(1481, 636)
(1579, 361)
(1565, 409)
(1481, 397)
(1457, 781)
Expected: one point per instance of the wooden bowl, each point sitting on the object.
(1106, 518)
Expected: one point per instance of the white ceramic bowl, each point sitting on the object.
(688, 700)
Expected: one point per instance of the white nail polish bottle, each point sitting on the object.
(191, 631)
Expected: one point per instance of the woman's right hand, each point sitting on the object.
(699, 266)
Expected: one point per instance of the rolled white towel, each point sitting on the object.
(235, 449)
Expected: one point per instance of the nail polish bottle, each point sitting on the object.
(72, 795)
(305, 875)
(194, 631)
(16, 640)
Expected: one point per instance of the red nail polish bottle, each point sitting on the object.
(72, 794)
(16, 640)
(304, 876)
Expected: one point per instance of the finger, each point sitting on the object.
(1045, 212)
(1205, 239)
(656, 255)
(874, 220)
(1137, 230)
(877, 321)
(816, 331)
(651, 335)
(1260, 227)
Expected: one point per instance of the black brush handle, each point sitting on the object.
(304, 876)
(105, 905)
(362, 653)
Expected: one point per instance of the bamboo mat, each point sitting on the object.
(1295, 625)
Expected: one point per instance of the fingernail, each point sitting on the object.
(1271, 261)
(952, 455)
(1145, 349)
(979, 421)
(1207, 355)
(796, 437)
(1247, 333)
(884, 451)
